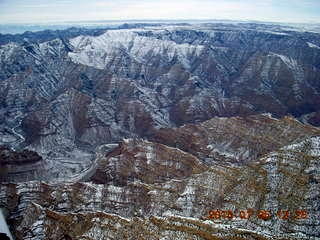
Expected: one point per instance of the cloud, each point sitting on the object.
(180, 9)
(74, 10)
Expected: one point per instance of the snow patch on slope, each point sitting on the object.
(290, 62)
(276, 33)
(149, 154)
(313, 45)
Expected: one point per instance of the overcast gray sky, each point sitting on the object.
(40, 11)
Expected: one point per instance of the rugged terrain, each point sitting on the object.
(138, 132)
(147, 190)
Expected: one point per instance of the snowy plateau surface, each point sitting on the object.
(138, 132)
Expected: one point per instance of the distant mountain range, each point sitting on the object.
(20, 28)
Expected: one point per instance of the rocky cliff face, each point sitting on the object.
(143, 131)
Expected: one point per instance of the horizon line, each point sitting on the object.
(186, 20)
